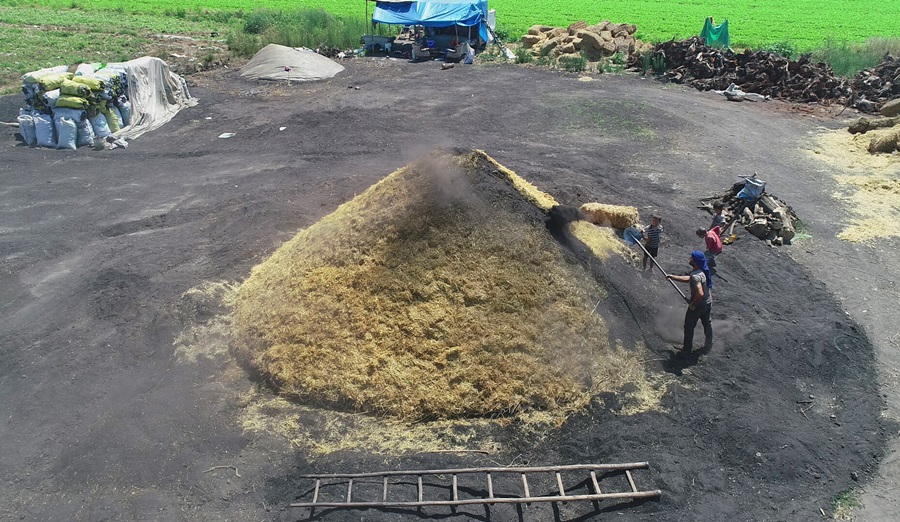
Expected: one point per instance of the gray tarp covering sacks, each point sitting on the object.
(277, 62)
(122, 100)
(156, 95)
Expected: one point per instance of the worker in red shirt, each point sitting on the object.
(713, 238)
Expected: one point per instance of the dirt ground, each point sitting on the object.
(104, 417)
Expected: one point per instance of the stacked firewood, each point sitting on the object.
(706, 68)
(875, 87)
(767, 218)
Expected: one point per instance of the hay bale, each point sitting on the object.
(615, 216)
(602, 26)
(567, 49)
(886, 143)
(529, 40)
(590, 40)
(557, 32)
(891, 108)
(437, 293)
(864, 125)
(547, 46)
(577, 26)
(624, 44)
(539, 29)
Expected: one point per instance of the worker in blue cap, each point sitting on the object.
(700, 303)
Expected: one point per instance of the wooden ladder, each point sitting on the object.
(592, 476)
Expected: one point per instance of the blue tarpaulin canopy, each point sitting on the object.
(443, 13)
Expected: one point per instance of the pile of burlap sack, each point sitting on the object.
(66, 110)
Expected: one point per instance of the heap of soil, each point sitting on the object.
(437, 293)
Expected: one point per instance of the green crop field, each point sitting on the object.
(39, 33)
(807, 23)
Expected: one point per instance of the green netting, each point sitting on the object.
(716, 35)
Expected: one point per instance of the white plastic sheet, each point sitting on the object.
(277, 62)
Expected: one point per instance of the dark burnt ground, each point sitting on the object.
(99, 421)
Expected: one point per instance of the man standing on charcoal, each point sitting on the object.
(700, 304)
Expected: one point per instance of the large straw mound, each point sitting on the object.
(615, 216)
(437, 293)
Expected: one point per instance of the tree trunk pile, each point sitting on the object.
(769, 218)
(693, 63)
(769, 74)
(874, 88)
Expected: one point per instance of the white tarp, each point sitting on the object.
(277, 62)
(155, 92)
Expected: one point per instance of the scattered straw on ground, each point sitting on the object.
(321, 432)
(875, 201)
(318, 431)
(206, 328)
(870, 185)
(438, 293)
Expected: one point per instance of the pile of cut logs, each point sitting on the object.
(875, 87)
(596, 42)
(769, 74)
(768, 218)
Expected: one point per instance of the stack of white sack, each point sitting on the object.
(67, 110)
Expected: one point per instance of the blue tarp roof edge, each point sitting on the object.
(446, 13)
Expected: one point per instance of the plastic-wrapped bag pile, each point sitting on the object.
(66, 110)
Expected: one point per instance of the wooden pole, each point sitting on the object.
(638, 243)
(540, 469)
(496, 500)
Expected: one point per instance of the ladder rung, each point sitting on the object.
(631, 481)
(350, 491)
(490, 486)
(562, 492)
(384, 494)
(420, 488)
(316, 492)
(455, 493)
(525, 485)
(596, 484)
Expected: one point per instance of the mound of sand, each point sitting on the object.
(437, 293)
(277, 62)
